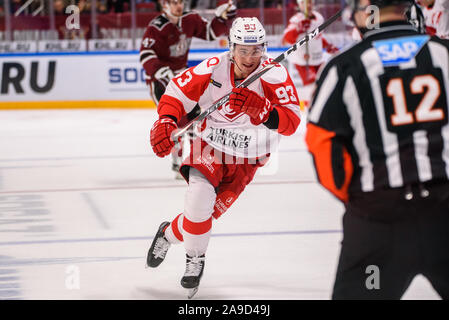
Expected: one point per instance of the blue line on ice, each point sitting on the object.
(242, 234)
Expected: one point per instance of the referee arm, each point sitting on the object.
(328, 131)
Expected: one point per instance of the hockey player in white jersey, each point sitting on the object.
(233, 142)
(308, 58)
(436, 17)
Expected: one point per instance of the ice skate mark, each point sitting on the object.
(177, 185)
(10, 287)
(146, 238)
(32, 167)
(7, 279)
(131, 156)
(93, 207)
(51, 261)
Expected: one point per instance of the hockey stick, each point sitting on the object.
(256, 76)
(306, 14)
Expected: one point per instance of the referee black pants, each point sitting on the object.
(388, 240)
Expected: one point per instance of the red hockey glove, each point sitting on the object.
(160, 136)
(244, 100)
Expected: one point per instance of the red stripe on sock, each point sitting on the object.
(197, 228)
(174, 226)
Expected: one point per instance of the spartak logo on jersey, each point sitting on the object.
(268, 61)
(229, 114)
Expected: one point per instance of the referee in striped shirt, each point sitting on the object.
(379, 135)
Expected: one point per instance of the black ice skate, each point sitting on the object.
(159, 247)
(177, 160)
(193, 274)
(175, 167)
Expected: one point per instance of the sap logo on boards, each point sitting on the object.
(393, 52)
(13, 75)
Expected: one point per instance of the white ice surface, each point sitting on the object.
(81, 196)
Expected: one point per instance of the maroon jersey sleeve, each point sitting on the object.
(166, 44)
(153, 52)
(207, 30)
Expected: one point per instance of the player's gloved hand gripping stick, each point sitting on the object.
(189, 123)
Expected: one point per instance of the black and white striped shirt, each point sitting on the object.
(385, 102)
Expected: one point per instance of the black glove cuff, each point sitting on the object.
(169, 116)
(273, 120)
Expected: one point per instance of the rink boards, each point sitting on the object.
(80, 79)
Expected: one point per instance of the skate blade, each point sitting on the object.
(191, 292)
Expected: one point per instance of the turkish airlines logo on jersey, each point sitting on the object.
(229, 114)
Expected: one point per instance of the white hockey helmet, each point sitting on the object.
(247, 31)
(303, 2)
